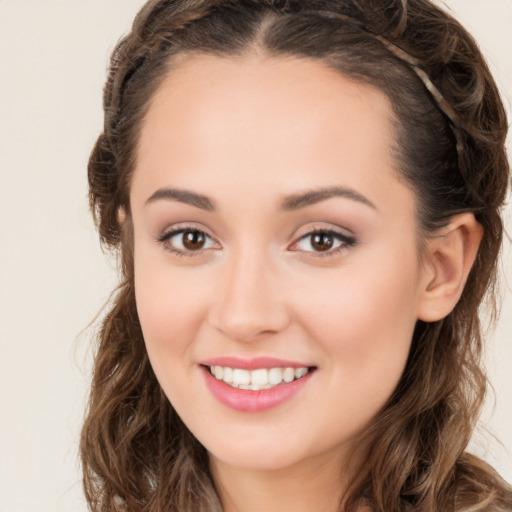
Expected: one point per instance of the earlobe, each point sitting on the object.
(450, 256)
(121, 215)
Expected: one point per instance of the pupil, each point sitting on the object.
(322, 241)
(193, 240)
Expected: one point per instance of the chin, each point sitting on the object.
(256, 459)
(262, 452)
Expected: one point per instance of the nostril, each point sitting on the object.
(250, 325)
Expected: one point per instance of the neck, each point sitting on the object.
(316, 485)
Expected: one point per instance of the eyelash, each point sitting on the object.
(347, 241)
(165, 237)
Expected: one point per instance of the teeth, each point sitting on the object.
(275, 376)
(254, 387)
(228, 375)
(241, 377)
(255, 380)
(259, 377)
(300, 372)
(289, 374)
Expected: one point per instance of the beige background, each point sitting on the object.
(53, 276)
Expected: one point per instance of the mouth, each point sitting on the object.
(258, 379)
(255, 385)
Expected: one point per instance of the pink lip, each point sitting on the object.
(243, 400)
(253, 364)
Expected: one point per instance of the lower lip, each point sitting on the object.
(244, 400)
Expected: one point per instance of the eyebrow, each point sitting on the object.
(297, 201)
(290, 203)
(183, 196)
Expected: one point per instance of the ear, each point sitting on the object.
(121, 215)
(449, 257)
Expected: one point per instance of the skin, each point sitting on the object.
(248, 133)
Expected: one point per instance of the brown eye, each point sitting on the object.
(187, 242)
(322, 241)
(193, 240)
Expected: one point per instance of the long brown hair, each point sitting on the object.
(450, 129)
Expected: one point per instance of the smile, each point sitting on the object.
(258, 379)
(257, 385)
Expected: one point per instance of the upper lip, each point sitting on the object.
(253, 363)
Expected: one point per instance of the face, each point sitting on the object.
(276, 247)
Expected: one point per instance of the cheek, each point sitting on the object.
(369, 313)
(170, 317)
(364, 321)
(169, 308)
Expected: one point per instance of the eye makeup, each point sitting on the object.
(189, 240)
(324, 242)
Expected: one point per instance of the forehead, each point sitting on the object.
(204, 91)
(281, 122)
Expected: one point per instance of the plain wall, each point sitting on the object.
(53, 275)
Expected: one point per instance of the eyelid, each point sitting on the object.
(315, 227)
(184, 226)
(171, 231)
(348, 240)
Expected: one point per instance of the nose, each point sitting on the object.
(251, 302)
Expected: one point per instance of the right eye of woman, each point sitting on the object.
(187, 241)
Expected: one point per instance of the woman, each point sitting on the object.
(306, 199)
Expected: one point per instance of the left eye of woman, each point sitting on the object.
(323, 242)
